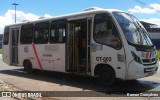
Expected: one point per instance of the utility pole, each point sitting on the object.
(15, 4)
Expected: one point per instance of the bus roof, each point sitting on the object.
(90, 10)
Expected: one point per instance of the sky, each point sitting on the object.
(145, 10)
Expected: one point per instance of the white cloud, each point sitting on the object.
(9, 18)
(138, 9)
(152, 8)
(152, 20)
(155, 6)
(47, 16)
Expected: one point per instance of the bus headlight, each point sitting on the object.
(136, 58)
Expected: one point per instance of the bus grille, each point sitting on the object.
(149, 61)
(146, 70)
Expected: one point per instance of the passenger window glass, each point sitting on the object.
(105, 31)
(41, 33)
(6, 36)
(58, 29)
(26, 34)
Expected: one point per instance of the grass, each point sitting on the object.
(0, 51)
(3, 89)
(159, 54)
(3, 86)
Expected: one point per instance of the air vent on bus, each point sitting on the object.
(25, 20)
(41, 17)
(92, 8)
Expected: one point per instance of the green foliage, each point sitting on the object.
(0, 51)
(3, 89)
(159, 54)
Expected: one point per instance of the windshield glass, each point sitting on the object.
(132, 29)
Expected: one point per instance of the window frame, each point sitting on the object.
(64, 21)
(118, 33)
(6, 33)
(35, 26)
(31, 34)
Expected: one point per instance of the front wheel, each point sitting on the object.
(106, 76)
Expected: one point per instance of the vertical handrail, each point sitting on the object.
(89, 22)
(87, 48)
(73, 47)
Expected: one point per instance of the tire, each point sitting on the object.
(106, 76)
(28, 67)
(132, 81)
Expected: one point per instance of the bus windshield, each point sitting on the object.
(132, 29)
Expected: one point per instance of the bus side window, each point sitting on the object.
(105, 32)
(26, 34)
(61, 35)
(52, 36)
(41, 33)
(6, 36)
(58, 30)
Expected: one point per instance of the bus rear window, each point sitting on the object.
(6, 36)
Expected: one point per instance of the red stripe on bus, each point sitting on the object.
(37, 58)
(147, 55)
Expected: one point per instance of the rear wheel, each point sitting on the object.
(106, 76)
(28, 67)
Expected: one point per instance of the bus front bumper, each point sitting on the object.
(136, 70)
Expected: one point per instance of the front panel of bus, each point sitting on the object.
(141, 54)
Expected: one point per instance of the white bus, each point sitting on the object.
(104, 43)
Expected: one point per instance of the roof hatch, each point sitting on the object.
(92, 8)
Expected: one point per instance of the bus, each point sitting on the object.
(104, 43)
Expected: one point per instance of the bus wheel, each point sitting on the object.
(28, 67)
(106, 76)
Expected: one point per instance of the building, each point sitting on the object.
(154, 33)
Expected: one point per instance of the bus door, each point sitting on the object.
(14, 46)
(77, 48)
